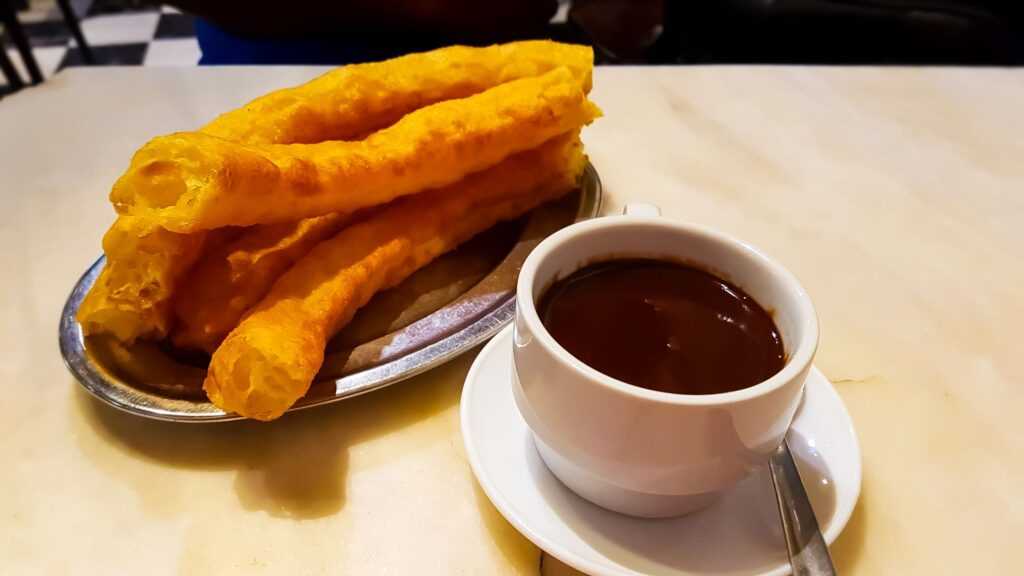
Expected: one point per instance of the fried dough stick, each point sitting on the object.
(269, 360)
(230, 278)
(355, 100)
(144, 263)
(189, 182)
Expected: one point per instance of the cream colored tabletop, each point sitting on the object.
(896, 195)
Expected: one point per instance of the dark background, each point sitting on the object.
(806, 31)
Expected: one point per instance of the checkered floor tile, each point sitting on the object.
(140, 35)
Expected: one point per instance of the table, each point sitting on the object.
(896, 195)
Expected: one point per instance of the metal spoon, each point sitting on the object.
(808, 553)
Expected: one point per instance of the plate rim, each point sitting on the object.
(838, 523)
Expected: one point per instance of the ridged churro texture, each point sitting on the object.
(190, 182)
(131, 297)
(270, 359)
(355, 100)
(231, 278)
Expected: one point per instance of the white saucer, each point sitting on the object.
(738, 535)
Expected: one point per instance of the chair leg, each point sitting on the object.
(76, 30)
(13, 27)
(13, 78)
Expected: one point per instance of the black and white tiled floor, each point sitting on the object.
(146, 36)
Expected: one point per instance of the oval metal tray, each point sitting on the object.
(445, 309)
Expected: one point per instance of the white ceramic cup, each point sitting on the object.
(643, 452)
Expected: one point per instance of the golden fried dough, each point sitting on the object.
(229, 279)
(189, 182)
(355, 100)
(131, 296)
(130, 299)
(270, 359)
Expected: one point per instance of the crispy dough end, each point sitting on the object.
(259, 368)
(131, 297)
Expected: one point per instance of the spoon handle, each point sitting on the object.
(808, 553)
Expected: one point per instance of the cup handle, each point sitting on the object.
(641, 209)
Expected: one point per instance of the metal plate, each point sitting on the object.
(457, 302)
